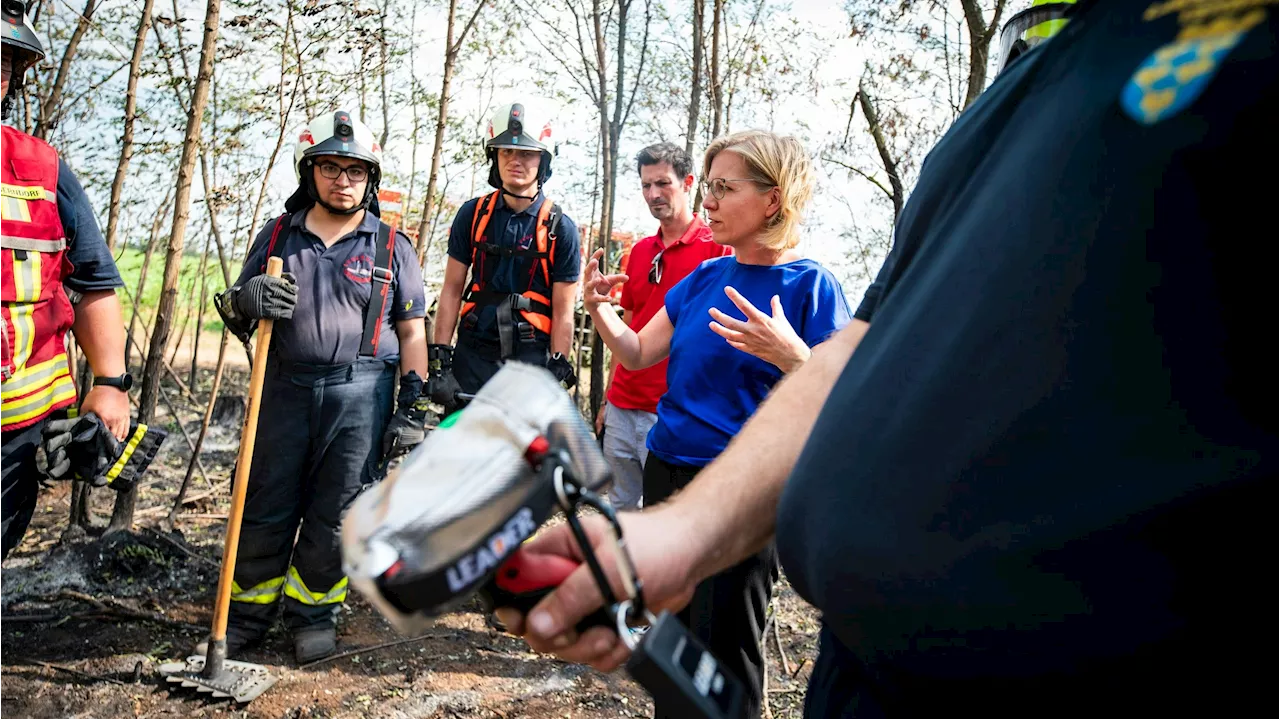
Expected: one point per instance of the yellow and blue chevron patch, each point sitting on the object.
(1172, 77)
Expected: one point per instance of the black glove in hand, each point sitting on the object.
(442, 386)
(563, 369)
(406, 429)
(79, 448)
(267, 298)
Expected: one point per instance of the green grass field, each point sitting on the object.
(130, 265)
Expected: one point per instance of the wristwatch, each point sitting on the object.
(123, 383)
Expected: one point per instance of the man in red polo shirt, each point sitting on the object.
(656, 264)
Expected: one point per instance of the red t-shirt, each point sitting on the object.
(641, 389)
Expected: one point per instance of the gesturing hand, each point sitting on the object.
(771, 338)
(596, 285)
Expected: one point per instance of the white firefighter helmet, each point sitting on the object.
(335, 133)
(520, 126)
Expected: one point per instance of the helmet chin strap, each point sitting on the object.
(509, 193)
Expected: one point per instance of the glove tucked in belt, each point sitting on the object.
(83, 449)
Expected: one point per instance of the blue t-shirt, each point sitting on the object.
(92, 267)
(713, 388)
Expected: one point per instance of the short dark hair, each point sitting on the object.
(666, 153)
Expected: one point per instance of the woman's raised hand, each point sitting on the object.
(596, 285)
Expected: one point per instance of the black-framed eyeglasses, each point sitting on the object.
(717, 186)
(355, 173)
(655, 269)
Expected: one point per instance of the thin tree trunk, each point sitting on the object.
(607, 154)
(122, 515)
(194, 462)
(452, 46)
(146, 263)
(695, 92)
(218, 369)
(130, 109)
(417, 122)
(50, 110)
(204, 293)
(896, 194)
(980, 35)
(717, 90)
(284, 114)
(382, 74)
(188, 309)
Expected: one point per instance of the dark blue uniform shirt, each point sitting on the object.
(93, 268)
(1049, 452)
(334, 287)
(515, 275)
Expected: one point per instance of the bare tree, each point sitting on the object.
(717, 87)
(130, 110)
(122, 514)
(695, 92)
(50, 109)
(452, 47)
(981, 33)
(894, 191)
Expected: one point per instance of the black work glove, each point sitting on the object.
(267, 298)
(563, 369)
(406, 429)
(77, 448)
(442, 387)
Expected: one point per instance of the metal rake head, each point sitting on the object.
(242, 681)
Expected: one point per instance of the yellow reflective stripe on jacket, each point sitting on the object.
(297, 589)
(37, 376)
(261, 593)
(20, 410)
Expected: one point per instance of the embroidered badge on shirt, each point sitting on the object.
(1173, 76)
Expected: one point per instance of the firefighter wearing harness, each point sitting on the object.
(58, 276)
(521, 253)
(348, 312)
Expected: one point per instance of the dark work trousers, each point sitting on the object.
(21, 483)
(475, 360)
(727, 612)
(318, 445)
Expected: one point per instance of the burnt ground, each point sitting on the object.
(86, 620)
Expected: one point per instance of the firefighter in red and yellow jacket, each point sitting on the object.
(57, 276)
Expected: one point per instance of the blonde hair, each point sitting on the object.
(773, 160)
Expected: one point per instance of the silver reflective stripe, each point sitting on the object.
(9, 242)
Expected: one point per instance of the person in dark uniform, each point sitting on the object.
(521, 252)
(1042, 483)
(349, 321)
(58, 277)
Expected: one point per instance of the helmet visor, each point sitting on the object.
(1029, 28)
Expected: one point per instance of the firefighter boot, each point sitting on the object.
(314, 643)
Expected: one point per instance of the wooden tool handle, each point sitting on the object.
(248, 434)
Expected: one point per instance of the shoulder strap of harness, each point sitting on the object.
(553, 231)
(275, 234)
(384, 255)
(480, 222)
